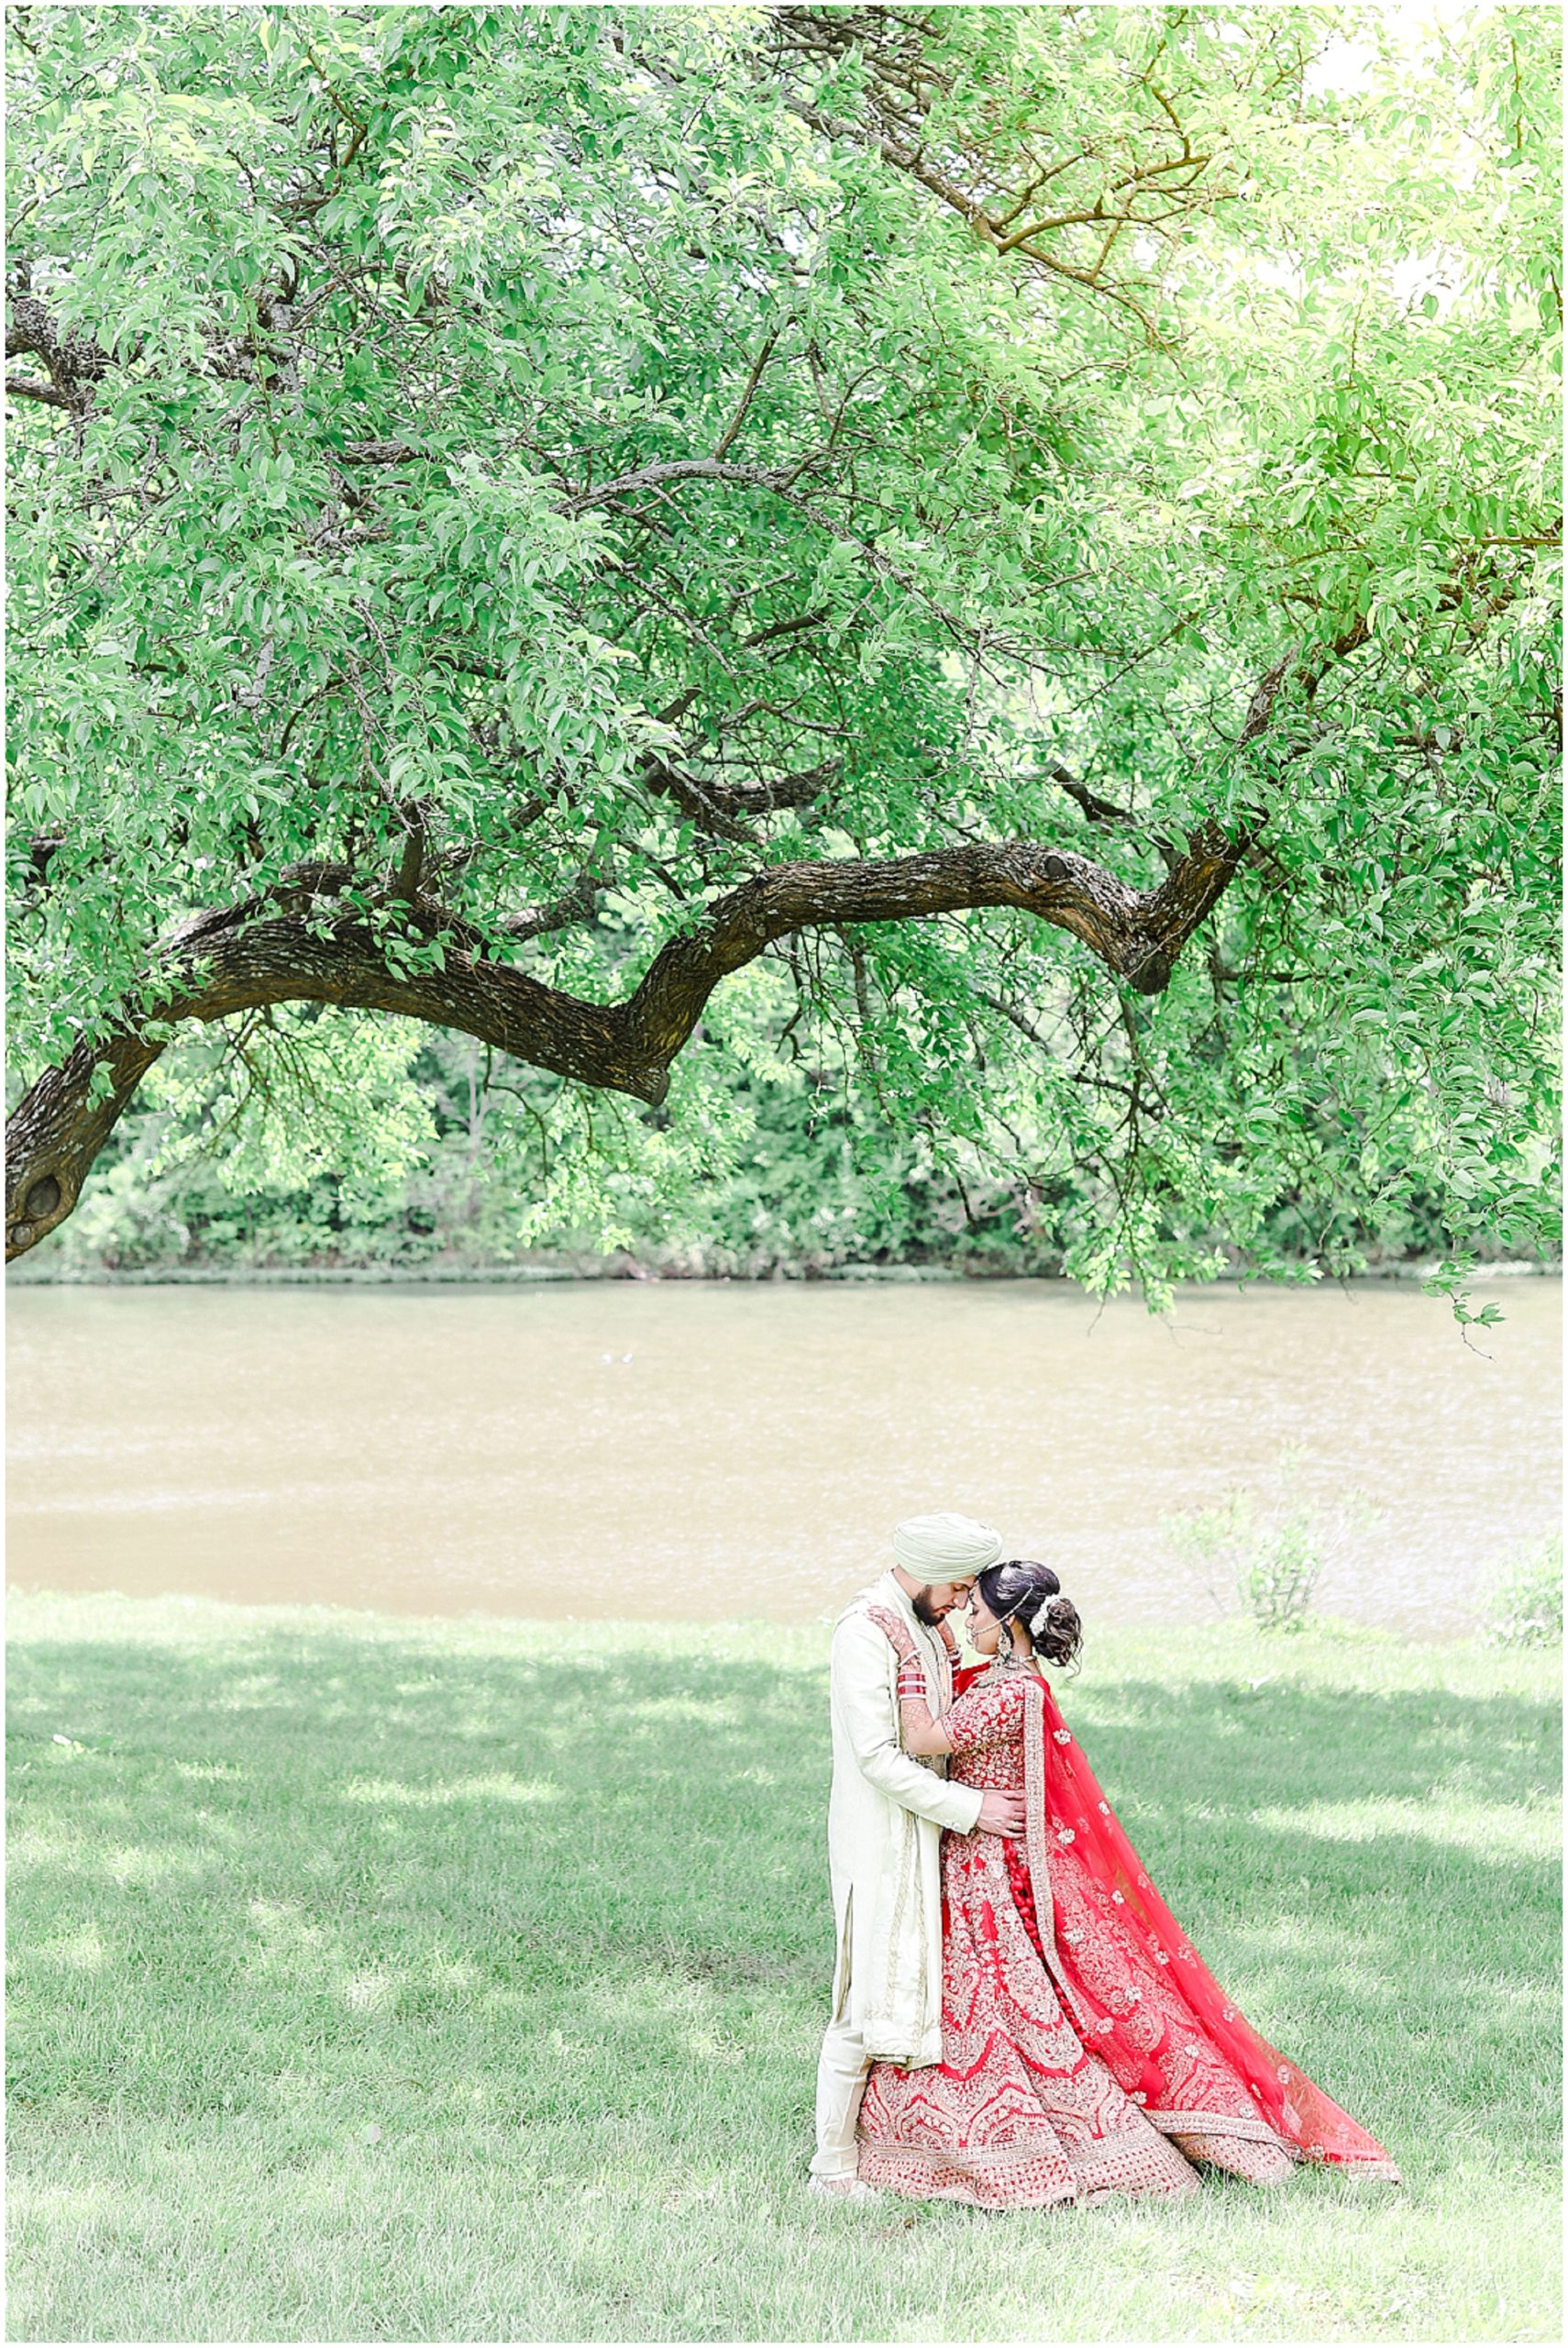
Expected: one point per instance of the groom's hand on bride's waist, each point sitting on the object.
(1001, 1814)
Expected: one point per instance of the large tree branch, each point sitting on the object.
(17, 387)
(290, 949)
(72, 359)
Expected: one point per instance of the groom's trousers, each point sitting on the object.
(841, 2070)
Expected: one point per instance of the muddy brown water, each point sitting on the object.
(717, 1451)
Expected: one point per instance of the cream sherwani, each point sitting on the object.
(884, 1820)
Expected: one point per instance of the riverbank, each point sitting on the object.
(31, 1272)
(462, 1979)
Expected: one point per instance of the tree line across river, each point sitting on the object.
(258, 1163)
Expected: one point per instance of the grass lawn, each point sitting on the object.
(462, 1980)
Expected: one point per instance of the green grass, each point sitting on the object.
(387, 1979)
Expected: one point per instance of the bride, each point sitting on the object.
(1086, 2050)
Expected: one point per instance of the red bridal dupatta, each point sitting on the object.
(1065, 1804)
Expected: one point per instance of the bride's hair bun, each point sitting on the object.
(1056, 1633)
(1024, 1591)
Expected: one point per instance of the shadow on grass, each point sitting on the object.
(270, 1866)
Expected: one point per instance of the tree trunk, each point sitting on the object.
(57, 1130)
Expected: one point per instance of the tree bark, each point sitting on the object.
(258, 954)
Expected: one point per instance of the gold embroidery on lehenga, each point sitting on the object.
(1033, 1734)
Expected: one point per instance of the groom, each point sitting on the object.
(885, 1819)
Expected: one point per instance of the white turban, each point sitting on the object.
(944, 1547)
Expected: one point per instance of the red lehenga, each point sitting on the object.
(1087, 2048)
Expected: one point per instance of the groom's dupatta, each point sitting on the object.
(1060, 1785)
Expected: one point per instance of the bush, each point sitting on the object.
(1272, 1545)
(1526, 1608)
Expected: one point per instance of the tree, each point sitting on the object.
(518, 514)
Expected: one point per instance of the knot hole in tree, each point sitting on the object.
(1152, 973)
(41, 1200)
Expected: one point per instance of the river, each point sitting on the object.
(718, 1451)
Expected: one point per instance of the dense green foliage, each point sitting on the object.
(535, 468)
(379, 1979)
(438, 1156)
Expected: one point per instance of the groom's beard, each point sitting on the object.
(923, 1607)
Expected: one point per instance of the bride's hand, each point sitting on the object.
(896, 1632)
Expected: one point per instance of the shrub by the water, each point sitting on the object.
(1277, 1587)
(1270, 1547)
(1526, 1609)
